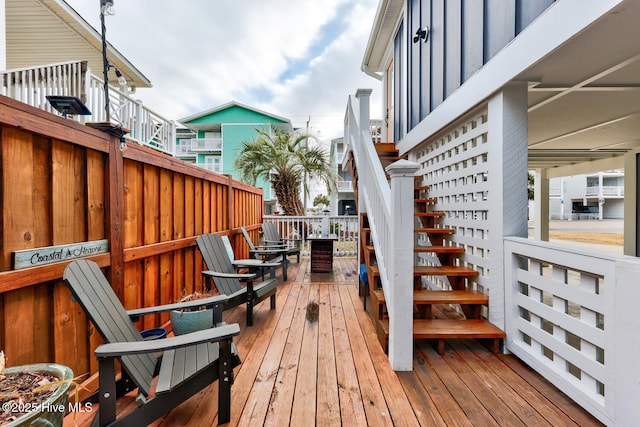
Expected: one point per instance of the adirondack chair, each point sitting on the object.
(272, 253)
(222, 274)
(272, 237)
(188, 363)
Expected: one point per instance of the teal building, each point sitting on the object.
(211, 139)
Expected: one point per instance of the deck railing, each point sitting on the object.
(572, 316)
(344, 228)
(389, 208)
(32, 85)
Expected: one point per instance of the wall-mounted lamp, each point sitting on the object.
(421, 33)
(121, 80)
(68, 105)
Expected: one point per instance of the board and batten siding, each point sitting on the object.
(463, 36)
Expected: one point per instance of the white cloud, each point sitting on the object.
(199, 54)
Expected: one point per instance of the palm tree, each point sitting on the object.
(285, 159)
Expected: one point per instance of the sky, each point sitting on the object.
(299, 59)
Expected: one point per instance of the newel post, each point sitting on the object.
(400, 266)
(363, 96)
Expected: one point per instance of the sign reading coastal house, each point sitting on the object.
(39, 256)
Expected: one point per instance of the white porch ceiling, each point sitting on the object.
(584, 98)
(43, 32)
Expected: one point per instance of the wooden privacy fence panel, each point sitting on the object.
(63, 183)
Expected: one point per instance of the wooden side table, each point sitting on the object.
(322, 254)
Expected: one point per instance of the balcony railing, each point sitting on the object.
(210, 167)
(32, 85)
(607, 191)
(206, 144)
(184, 151)
(344, 186)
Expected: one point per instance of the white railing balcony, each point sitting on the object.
(210, 167)
(607, 191)
(184, 151)
(344, 186)
(206, 144)
(32, 85)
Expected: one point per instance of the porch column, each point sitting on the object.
(541, 203)
(507, 184)
(400, 267)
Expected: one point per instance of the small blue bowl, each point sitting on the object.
(154, 334)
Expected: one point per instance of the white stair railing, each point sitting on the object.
(389, 209)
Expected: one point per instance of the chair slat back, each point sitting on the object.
(270, 232)
(216, 258)
(247, 238)
(93, 292)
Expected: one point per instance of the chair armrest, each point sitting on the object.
(260, 263)
(203, 302)
(229, 275)
(118, 349)
(270, 250)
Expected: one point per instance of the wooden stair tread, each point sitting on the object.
(440, 249)
(435, 214)
(426, 296)
(435, 270)
(421, 188)
(435, 230)
(385, 147)
(427, 200)
(448, 328)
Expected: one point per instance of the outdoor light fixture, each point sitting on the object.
(68, 105)
(421, 33)
(121, 80)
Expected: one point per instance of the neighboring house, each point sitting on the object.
(593, 196)
(475, 94)
(62, 55)
(213, 138)
(342, 202)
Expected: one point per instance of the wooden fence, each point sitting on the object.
(62, 182)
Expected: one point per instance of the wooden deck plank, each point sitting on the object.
(374, 403)
(351, 405)
(281, 401)
(328, 411)
(304, 396)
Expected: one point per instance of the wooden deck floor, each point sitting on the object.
(301, 370)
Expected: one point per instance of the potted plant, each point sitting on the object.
(190, 320)
(36, 394)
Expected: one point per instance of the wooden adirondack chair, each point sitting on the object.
(271, 253)
(222, 273)
(188, 362)
(272, 237)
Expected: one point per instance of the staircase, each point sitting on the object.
(436, 316)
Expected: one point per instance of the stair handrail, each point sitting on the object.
(389, 209)
(373, 188)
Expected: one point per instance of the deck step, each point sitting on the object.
(448, 328)
(442, 329)
(431, 230)
(431, 200)
(424, 297)
(430, 214)
(439, 249)
(436, 270)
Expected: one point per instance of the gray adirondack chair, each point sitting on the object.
(273, 254)
(222, 274)
(184, 364)
(272, 237)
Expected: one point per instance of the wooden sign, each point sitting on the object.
(39, 256)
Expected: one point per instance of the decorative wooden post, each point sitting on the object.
(400, 300)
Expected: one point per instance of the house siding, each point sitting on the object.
(463, 36)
